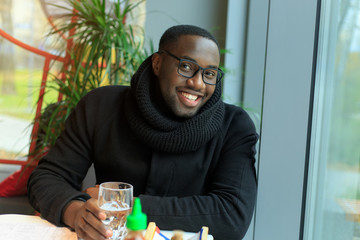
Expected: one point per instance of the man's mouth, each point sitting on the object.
(190, 96)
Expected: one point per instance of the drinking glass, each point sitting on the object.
(116, 199)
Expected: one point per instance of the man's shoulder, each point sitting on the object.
(111, 89)
(237, 117)
(233, 110)
(107, 93)
(104, 97)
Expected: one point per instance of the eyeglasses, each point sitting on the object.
(189, 69)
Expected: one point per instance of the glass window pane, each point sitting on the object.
(333, 194)
(21, 74)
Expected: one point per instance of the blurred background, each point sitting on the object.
(293, 66)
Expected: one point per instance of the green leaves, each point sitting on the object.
(106, 50)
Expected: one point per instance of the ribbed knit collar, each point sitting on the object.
(161, 131)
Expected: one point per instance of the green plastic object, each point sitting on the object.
(137, 220)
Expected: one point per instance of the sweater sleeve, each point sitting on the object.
(58, 176)
(227, 207)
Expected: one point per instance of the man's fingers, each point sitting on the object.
(92, 206)
(92, 228)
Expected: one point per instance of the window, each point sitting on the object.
(20, 74)
(333, 183)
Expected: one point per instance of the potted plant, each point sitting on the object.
(102, 49)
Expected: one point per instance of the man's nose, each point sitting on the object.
(196, 82)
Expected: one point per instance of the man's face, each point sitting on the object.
(185, 96)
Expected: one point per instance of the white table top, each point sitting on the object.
(28, 227)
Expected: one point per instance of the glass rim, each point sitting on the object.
(129, 186)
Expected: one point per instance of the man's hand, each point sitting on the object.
(85, 218)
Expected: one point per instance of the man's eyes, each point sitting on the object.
(192, 67)
(210, 73)
(187, 66)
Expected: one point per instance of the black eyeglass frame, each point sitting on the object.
(219, 76)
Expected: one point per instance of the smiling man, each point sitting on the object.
(190, 86)
(189, 156)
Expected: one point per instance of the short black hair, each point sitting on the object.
(172, 34)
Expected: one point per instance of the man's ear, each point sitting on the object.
(156, 62)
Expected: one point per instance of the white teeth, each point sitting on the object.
(189, 96)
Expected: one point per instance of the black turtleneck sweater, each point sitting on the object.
(188, 173)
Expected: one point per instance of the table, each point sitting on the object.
(30, 227)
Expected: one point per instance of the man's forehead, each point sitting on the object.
(188, 44)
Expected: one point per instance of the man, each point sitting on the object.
(189, 156)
